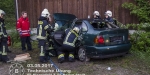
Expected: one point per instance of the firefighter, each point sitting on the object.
(96, 15)
(3, 39)
(43, 28)
(108, 16)
(51, 50)
(23, 28)
(70, 38)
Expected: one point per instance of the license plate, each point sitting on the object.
(115, 39)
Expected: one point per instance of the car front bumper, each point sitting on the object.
(107, 51)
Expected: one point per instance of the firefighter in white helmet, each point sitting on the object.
(108, 16)
(3, 39)
(70, 38)
(43, 28)
(96, 15)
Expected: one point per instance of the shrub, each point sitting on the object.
(141, 8)
(15, 38)
(9, 7)
(140, 39)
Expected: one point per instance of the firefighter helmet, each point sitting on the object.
(45, 13)
(108, 13)
(2, 12)
(96, 13)
(76, 29)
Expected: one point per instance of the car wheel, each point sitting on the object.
(82, 55)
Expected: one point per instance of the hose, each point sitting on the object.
(55, 65)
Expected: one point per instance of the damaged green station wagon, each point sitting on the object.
(98, 40)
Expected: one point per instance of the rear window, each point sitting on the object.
(81, 25)
(98, 24)
(78, 24)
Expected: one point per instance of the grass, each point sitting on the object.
(137, 61)
(10, 22)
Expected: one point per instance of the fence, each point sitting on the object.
(80, 8)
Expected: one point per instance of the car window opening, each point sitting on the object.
(99, 25)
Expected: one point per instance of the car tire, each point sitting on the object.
(82, 55)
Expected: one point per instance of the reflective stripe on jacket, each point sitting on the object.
(23, 26)
(3, 32)
(43, 28)
(70, 38)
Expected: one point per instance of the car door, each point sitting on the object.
(64, 21)
(83, 34)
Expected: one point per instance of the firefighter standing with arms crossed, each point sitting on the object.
(3, 39)
(70, 38)
(43, 28)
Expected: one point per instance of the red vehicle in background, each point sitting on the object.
(9, 41)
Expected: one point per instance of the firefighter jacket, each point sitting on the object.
(3, 32)
(109, 19)
(70, 37)
(43, 28)
(23, 26)
(97, 17)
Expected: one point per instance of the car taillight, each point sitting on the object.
(99, 40)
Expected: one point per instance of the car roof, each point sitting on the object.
(91, 20)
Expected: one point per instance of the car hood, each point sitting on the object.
(63, 18)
